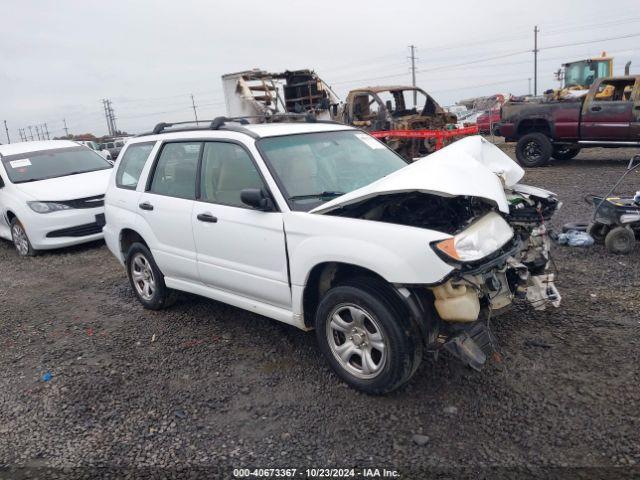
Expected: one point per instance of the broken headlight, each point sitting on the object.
(479, 240)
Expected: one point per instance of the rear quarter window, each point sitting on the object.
(131, 164)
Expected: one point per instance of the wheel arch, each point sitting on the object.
(534, 125)
(128, 237)
(325, 275)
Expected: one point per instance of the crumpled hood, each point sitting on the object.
(71, 187)
(471, 166)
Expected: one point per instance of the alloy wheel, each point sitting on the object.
(532, 150)
(20, 239)
(142, 275)
(357, 341)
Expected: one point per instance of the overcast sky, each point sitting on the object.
(60, 58)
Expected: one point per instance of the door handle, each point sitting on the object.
(596, 109)
(207, 217)
(146, 206)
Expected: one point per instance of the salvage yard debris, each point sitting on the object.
(409, 120)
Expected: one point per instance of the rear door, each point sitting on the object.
(166, 206)
(608, 111)
(240, 250)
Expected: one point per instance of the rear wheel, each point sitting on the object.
(565, 152)
(21, 240)
(367, 337)
(147, 280)
(598, 231)
(620, 240)
(534, 150)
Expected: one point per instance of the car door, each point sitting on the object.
(166, 205)
(607, 111)
(240, 249)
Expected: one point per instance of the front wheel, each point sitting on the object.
(21, 240)
(565, 152)
(147, 280)
(534, 150)
(367, 337)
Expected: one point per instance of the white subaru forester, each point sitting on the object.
(320, 225)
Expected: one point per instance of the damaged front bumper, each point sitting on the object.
(476, 292)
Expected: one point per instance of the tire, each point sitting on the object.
(620, 240)
(565, 152)
(534, 150)
(598, 231)
(21, 240)
(146, 279)
(370, 316)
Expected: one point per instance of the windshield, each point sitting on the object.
(58, 162)
(314, 168)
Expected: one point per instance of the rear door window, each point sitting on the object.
(176, 170)
(131, 165)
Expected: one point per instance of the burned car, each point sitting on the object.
(396, 108)
(321, 226)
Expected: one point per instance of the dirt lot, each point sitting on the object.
(204, 384)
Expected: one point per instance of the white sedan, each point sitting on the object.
(51, 194)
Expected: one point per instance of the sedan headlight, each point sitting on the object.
(47, 207)
(479, 240)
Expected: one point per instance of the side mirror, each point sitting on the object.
(255, 197)
(1, 183)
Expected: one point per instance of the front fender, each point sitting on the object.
(398, 253)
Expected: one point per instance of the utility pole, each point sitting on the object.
(112, 115)
(6, 129)
(47, 130)
(535, 60)
(66, 130)
(107, 114)
(195, 112)
(30, 132)
(412, 48)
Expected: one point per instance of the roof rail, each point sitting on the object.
(220, 123)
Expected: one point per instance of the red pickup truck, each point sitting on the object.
(608, 115)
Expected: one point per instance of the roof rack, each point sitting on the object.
(221, 123)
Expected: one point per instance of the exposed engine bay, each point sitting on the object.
(477, 291)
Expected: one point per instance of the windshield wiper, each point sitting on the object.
(321, 195)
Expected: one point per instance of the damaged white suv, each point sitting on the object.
(320, 225)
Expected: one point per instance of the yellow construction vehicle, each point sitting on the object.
(583, 73)
(576, 77)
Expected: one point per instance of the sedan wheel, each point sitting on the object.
(357, 341)
(20, 239)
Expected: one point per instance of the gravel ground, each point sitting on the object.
(207, 385)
